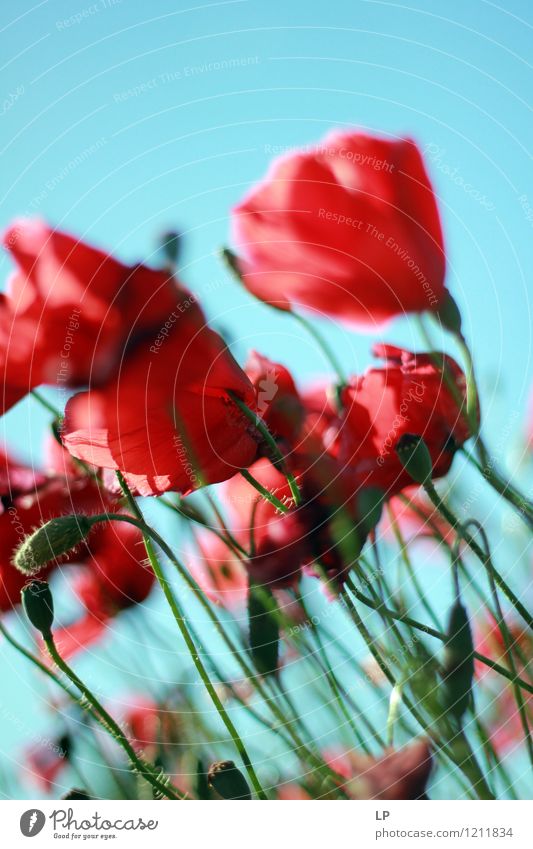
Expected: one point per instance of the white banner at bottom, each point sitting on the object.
(232, 825)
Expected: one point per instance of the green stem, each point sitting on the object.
(46, 404)
(330, 676)
(248, 672)
(467, 763)
(486, 467)
(268, 496)
(189, 642)
(432, 632)
(450, 517)
(409, 566)
(324, 346)
(508, 642)
(149, 773)
(472, 396)
(502, 487)
(271, 442)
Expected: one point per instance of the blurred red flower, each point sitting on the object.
(46, 760)
(166, 419)
(408, 395)
(349, 229)
(396, 774)
(417, 518)
(278, 402)
(218, 571)
(71, 310)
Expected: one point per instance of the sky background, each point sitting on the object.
(121, 119)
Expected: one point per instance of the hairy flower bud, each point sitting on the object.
(38, 605)
(227, 781)
(414, 456)
(51, 540)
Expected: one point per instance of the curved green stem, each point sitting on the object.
(504, 488)
(149, 773)
(248, 672)
(508, 643)
(189, 642)
(452, 520)
(324, 346)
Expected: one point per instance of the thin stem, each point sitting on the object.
(149, 773)
(478, 551)
(409, 566)
(268, 496)
(189, 642)
(504, 488)
(46, 404)
(468, 763)
(271, 442)
(432, 632)
(324, 346)
(248, 672)
(508, 642)
(330, 675)
(486, 466)
(472, 396)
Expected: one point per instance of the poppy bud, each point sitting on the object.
(38, 605)
(450, 315)
(227, 781)
(458, 668)
(171, 246)
(414, 456)
(77, 795)
(51, 540)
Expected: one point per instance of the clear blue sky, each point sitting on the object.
(121, 118)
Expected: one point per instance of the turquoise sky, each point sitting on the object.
(122, 118)
(119, 119)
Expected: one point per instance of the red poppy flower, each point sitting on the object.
(143, 719)
(349, 229)
(417, 518)
(166, 419)
(71, 310)
(218, 571)
(397, 774)
(278, 402)
(408, 395)
(47, 761)
(278, 539)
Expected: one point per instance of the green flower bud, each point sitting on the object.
(414, 456)
(449, 314)
(171, 245)
(458, 667)
(56, 537)
(38, 605)
(227, 781)
(77, 795)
